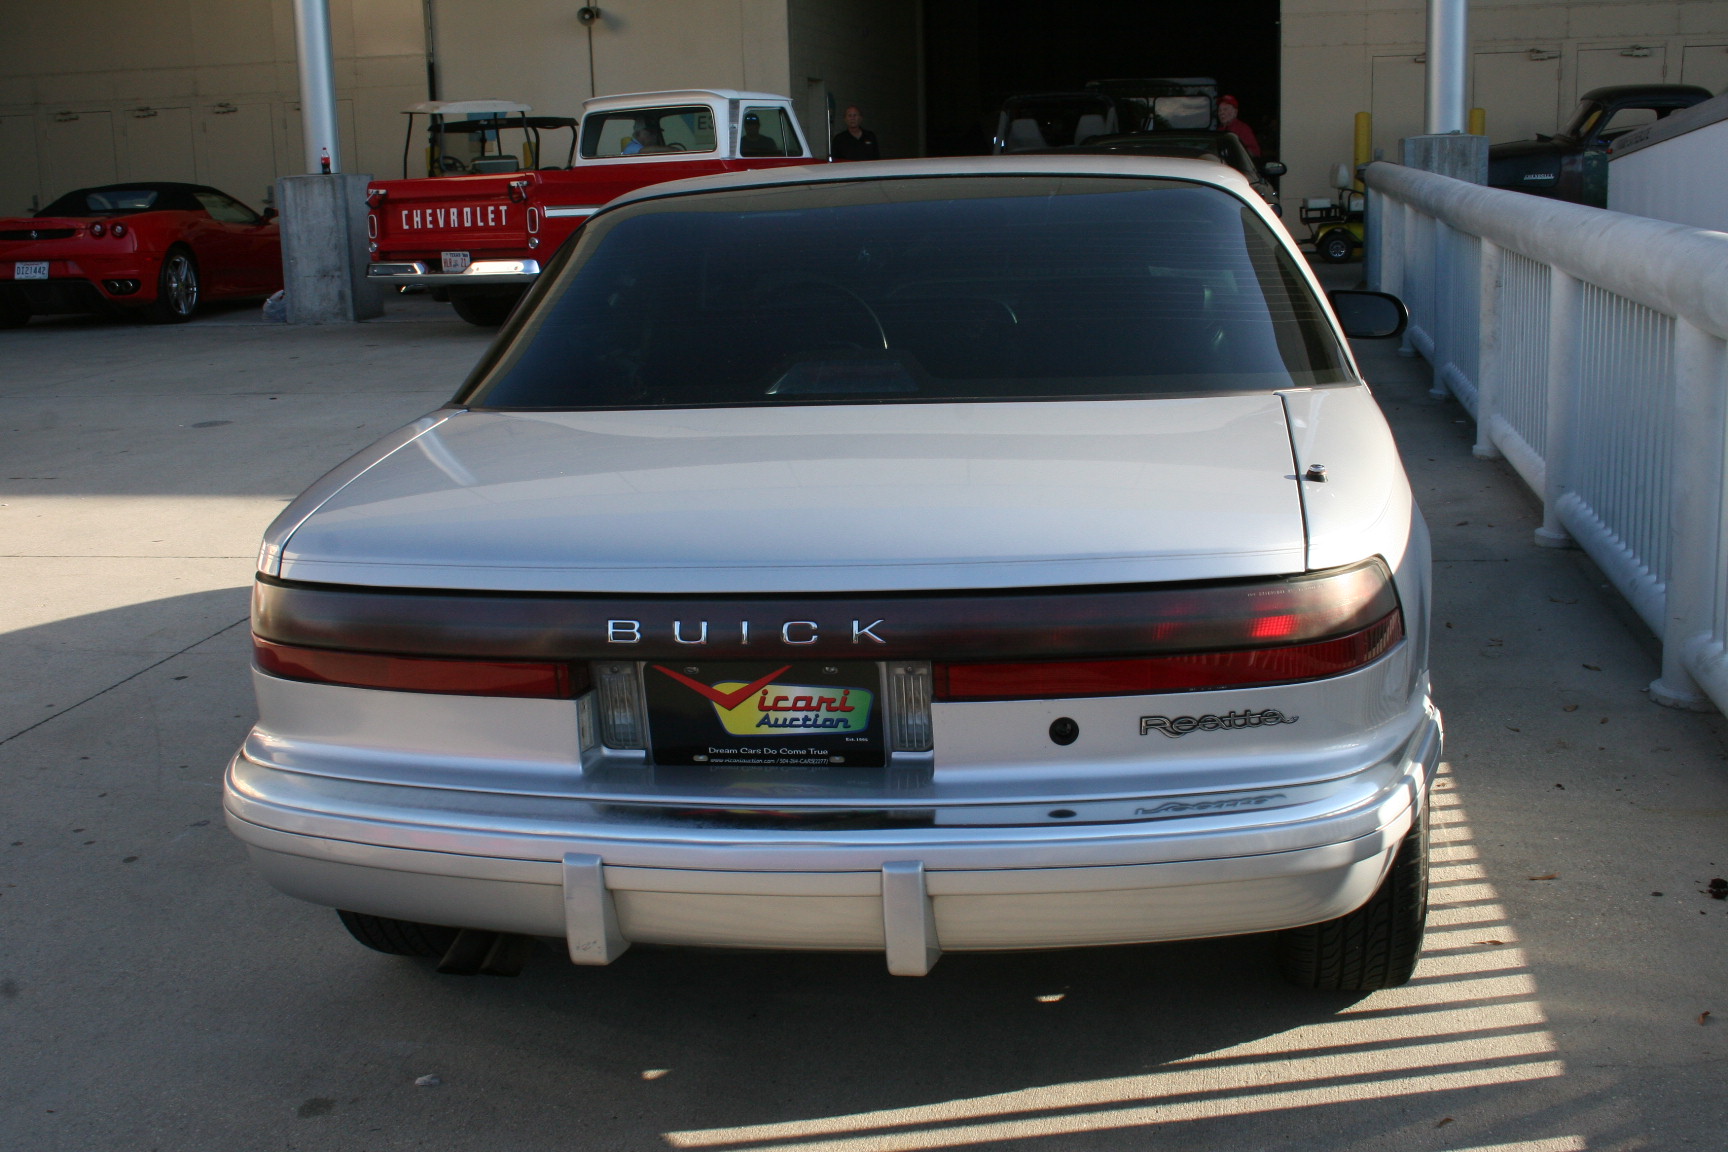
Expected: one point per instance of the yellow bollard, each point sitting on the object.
(1478, 122)
(1364, 143)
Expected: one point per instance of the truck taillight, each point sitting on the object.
(533, 219)
(372, 225)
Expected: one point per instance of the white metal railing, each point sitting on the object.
(1590, 347)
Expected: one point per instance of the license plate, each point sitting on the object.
(455, 261)
(30, 270)
(764, 719)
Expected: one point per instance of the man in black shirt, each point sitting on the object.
(856, 142)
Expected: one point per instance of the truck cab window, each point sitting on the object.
(647, 131)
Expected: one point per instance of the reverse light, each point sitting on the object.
(621, 724)
(541, 680)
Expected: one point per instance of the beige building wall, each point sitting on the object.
(94, 91)
(863, 52)
(1529, 64)
(538, 52)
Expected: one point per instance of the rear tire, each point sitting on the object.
(1375, 946)
(1336, 247)
(398, 937)
(176, 288)
(484, 309)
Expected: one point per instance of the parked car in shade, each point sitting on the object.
(1220, 147)
(146, 248)
(1572, 164)
(907, 557)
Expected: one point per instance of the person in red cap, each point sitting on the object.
(1229, 121)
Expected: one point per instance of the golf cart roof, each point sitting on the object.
(466, 108)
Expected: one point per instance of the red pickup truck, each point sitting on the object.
(481, 239)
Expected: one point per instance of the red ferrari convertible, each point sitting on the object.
(150, 248)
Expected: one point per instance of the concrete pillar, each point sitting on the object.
(324, 253)
(1448, 60)
(317, 86)
(1452, 154)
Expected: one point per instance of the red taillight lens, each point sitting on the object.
(119, 230)
(1213, 636)
(1187, 672)
(98, 229)
(535, 679)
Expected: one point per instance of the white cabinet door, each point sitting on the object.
(156, 144)
(1705, 65)
(1519, 92)
(235, 150)
(20, 175)
(1396, 102)
(77, 151)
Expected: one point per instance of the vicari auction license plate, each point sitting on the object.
(781, 720)
(30, 270)
(455, 261)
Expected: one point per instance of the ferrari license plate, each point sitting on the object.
(30, 270)
(455, 261)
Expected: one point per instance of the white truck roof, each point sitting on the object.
(636, 99)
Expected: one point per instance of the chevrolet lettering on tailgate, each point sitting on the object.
(467, 216)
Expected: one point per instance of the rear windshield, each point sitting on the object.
(647, 132)
(103, 202)
(915, 290)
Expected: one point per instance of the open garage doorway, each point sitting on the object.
(979, 52)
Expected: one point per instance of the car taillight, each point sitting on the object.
(118, 230)
(522, 678)
(97, 229)
(1225, 636)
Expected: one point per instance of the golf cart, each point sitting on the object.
(467, 137)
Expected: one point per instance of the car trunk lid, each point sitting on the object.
(816, 499)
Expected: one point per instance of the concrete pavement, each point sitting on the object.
(155, 994)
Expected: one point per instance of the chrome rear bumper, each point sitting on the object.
(442, 857)
(479, 274)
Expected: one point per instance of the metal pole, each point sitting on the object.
(1448, 58)
(317, 86)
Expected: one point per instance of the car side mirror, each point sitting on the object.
(1273, 168)
(267, 215)
(1369, 315)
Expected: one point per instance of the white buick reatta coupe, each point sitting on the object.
(910, 557)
